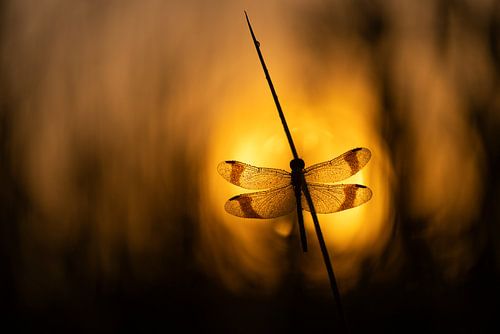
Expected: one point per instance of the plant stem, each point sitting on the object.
(273, 91)
(319, 234)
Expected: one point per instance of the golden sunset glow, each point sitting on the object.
(335, 123)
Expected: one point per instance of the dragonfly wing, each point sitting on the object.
(263, 204)
(339, 168)
(329, 198)
(251, 177)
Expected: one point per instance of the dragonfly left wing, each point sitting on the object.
(251, 177)
(329, 198)
(263, 204)
(339, 168)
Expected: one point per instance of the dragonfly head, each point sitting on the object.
(297, 164)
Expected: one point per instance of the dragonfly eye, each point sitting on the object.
(297, 164)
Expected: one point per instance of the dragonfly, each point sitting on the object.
(282, 192)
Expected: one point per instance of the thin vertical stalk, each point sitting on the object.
(273, 91)
(319, 234)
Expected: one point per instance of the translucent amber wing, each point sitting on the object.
(339, 168)
(328, 198)
(251, 177)
(263, 204)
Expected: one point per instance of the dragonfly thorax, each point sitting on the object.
(297, 165)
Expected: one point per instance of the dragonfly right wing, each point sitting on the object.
(339, 168)
(263, 204)
(329, 198)
(251, 177)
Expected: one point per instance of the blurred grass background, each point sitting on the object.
(112, 116)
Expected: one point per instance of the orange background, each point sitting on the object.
(114, 116)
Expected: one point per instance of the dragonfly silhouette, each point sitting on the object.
(285, 190)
